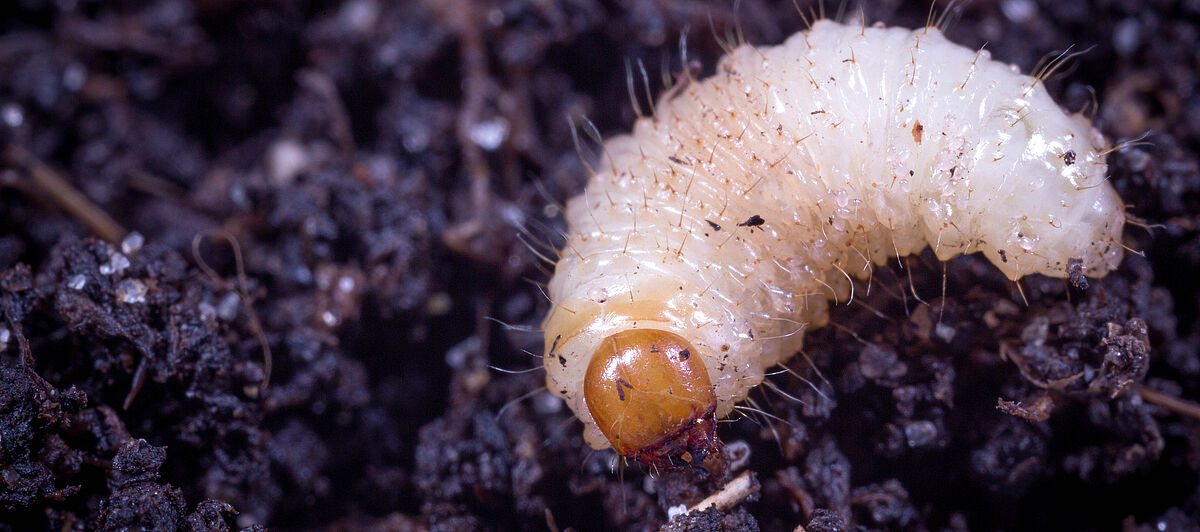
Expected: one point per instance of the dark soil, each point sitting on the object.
(342, 198)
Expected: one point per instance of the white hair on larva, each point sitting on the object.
(736, 212)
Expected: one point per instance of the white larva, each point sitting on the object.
(733, 215)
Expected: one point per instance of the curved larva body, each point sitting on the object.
(841, 148)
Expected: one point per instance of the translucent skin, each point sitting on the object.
(751, 198)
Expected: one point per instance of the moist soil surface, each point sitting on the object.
(257, 259)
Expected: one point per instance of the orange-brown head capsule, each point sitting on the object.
(650, 394)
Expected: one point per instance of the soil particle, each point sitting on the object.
(880, 365)
(712, 520)
(139, 502)
(884, 505)
(825, 521)
(27, 476)
(827, 477)
(1013, 456)
(473, 469)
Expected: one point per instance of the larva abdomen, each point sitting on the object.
(751, 197)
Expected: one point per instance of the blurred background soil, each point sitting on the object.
(343, 197)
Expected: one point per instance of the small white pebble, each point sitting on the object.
(547, 403)
(676, 511)
(227, 308)
(920, 433)
(360, 16)
(131, 291)
(74, 76)
(239, 197)
(1018, 10)
(6, 334)
(648, 484)
(116, 264)
(346, 283)
(1126, 36)
(495, 17)
(945, 332)
(1138, 159)
(415, 134)
(738, 453)
(490, 134)
(12, 115)
(78, 281)
(456, 357)
(246, 520)
(132, 243)
(311, 226)
(206, 310)
(329, 318)
(286, 160)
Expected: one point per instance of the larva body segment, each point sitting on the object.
(735, 214)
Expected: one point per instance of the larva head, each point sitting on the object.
(650, 394)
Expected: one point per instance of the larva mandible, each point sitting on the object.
(724, 223)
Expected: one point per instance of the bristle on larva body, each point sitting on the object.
(736, 213)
